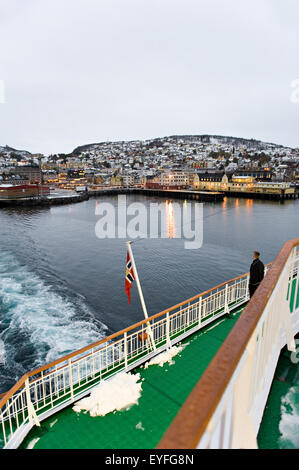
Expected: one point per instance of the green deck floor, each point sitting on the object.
(164, 390)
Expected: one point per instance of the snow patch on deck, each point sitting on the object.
(118, 393)
(164, 357)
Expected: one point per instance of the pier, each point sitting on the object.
(60, 196)
(66, 197)
(278, 196)
(200, 196)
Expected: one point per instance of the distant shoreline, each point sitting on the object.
(199, 196)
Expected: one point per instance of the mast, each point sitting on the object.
(140, 292)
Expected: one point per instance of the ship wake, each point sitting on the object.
(38, 323)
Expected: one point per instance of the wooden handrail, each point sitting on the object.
(190, 423)
(20, 384)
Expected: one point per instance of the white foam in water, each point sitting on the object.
(118, 393)
(2, 352)
(34, 309)
(165, 356)
(289, 424)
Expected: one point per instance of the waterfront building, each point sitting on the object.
(30, 172)
(170, 180)
(259, 174)
(116, 180)
(10, 192)
(247, 185)
(76, 173)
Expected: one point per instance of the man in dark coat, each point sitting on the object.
(256, 273)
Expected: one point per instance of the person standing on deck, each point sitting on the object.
(256, 273)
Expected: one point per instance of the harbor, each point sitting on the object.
(61, 197)
(58, 196)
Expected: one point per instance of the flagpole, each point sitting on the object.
(140, 290)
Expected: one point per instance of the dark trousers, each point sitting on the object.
(252, 289)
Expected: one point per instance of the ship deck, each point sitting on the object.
(164, 390)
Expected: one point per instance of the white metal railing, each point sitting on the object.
(237, 417)
(50, 388)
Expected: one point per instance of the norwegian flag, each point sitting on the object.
(129, 277)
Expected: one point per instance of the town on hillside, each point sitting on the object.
(199, 163)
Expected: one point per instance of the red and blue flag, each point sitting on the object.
(129, 277)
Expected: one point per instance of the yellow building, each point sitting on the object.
(241, 184)
(174, 178)
(116, 180)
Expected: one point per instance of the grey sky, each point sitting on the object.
(83, 71)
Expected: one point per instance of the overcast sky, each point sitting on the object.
(85, 71)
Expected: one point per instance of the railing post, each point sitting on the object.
(199, 310)
(55, 382)
(188, 315)
(3, 428)
(126, 351)
(100, 363)
(31, 411)
(151, 335)
(204, 308)
(168, 330)
(92, 363)
(226, 308)
(71, 379)
(234, 291)
(247, 287)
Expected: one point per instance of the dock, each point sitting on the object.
(200, 196)
(53, 199)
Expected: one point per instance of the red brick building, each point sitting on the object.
(8, 191)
